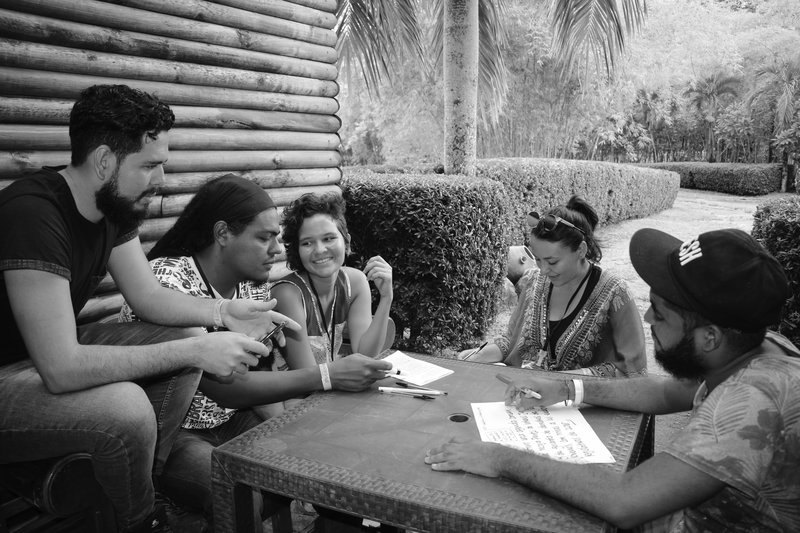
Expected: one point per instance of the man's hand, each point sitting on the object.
(552, 391)
(379, 272)
(225, 352)
(357, 372)
(254, 318)
(475, 457)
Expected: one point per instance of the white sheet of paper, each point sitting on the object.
(415, 371)
(558, 432)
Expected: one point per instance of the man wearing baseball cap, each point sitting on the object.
(736, 464)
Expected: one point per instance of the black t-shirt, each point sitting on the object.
(42, 229)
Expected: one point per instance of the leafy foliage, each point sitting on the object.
(776, 225)
(746, 180)
(617, 192)
(447, 242)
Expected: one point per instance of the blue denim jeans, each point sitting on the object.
(128, 428)
(187, 475)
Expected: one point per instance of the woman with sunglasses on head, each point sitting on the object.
(322, 294)
(223, 246)
(571, 315)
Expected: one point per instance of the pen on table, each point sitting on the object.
(425, 395)
(529, 393)
(478, 349)
(406, 391)
(420, 387)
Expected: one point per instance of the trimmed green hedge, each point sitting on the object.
(732, 178)
(617, 192)
(446, 239)
(776, 224)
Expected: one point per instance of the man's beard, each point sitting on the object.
(681, 360)
(120, 211)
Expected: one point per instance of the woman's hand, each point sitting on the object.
(379, 272)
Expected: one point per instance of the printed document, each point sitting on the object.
(415, 371)
(558, 432)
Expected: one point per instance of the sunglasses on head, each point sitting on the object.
(546, 224)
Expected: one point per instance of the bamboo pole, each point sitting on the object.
(39, 137)
(236, 18)
(190, 182)
(48, 111)
(14, 165)
(79, 35)
(307, 80)
(112, 18)
(324, 5)
(182, 182)
(35, 110)
(207, 117)
(16, 81)
(285, 10)
(173, 205)
(196, 161)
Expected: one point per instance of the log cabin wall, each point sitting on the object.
(252, 84)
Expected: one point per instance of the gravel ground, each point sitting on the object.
(693, 212)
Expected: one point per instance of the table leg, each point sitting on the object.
(278, 508)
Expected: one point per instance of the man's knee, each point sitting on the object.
(129, 411)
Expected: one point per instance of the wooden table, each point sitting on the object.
(363, 453)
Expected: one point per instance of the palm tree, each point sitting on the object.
(706, 96)
(374, 33)
(778, 86)
(652, 112)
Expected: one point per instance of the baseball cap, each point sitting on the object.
(724, 275)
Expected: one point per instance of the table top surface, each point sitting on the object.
(364, 453)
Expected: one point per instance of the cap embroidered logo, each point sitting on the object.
(690, 250)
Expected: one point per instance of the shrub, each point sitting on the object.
(445, 238)
(776, 224)
(617, 192)
(732, 178)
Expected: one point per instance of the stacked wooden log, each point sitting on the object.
(252, 84)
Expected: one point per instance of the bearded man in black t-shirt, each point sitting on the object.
(117, 391)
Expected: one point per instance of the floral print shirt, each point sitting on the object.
(746, 433)
(181, 274)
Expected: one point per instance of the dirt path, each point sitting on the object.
(693, 212)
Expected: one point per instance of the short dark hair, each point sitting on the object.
(117, 116)
(741, 341)
(580, 214)
(307, 206)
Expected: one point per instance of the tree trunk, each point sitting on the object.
(460, 86)
(784, 170)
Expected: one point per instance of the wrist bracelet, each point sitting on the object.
(578, 383)
(326, 376)
(217, 316)
(570, 392)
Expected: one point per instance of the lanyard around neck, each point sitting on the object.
(547, 343)
(330, 328)
(212, 291)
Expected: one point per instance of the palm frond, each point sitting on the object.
(374, 35)
(596, 28)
